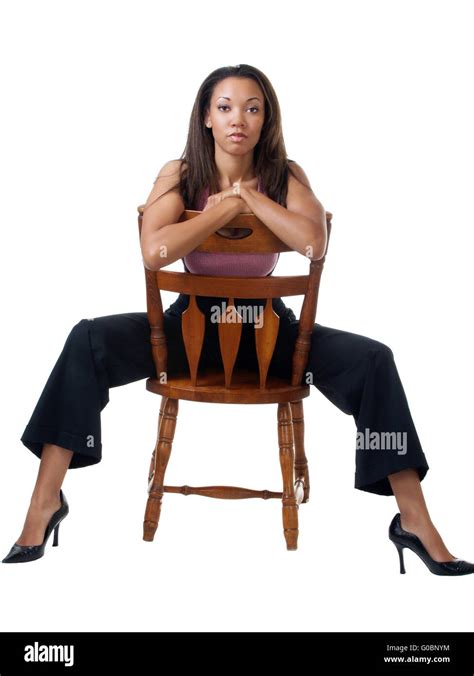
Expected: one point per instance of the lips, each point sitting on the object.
(239, 135)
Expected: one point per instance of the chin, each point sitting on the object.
(239, 149)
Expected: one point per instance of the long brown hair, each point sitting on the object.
(198, 168)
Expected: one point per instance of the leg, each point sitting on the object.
(358, 374)
(374, 394)
(414, 513)
(99, 354)
(45, 498)
(64, 430)
(301, 462)
(162, 455)
(152, 462)
(287, 462)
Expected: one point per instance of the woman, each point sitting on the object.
(234, 162)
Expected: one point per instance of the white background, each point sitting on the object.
(377, 108)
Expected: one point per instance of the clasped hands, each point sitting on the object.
(233, 191)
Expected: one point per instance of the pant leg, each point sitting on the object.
(358, 374)
(98, 354)
(106, 352)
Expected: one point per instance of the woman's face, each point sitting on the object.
(237, 106)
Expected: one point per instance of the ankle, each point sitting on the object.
(413, 521)
(44, 500)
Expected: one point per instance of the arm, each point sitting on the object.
(302, 224)
(163, 239)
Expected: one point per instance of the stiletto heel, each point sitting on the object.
(55, 540)
(400, 555)
(24, 553)
(402, 538)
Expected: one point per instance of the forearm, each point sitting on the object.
(172, 242)
(301, 234)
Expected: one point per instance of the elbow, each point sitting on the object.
(150, 266)
(318, 253)
(318, 247)
(156, 256)
(151, 261)
(316, 250)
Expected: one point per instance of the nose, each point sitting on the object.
(238, 120)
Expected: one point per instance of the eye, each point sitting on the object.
(225, 106)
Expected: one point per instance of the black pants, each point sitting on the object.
(356, 373)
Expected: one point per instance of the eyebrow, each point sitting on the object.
(228, 98)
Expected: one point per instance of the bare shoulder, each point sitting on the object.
(296, 174)
(165, 203)
(171, 169)
(166, 183)
(300, 197)
(168, 177)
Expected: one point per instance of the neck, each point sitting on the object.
(231, 168)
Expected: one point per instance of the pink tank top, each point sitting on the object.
(229, 264)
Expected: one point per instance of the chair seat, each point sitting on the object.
(245, 388)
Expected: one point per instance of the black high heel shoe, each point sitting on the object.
(402, 538)
(24, 553)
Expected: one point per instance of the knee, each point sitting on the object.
(79, 332)
(381, 351)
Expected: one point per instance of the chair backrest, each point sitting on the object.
(257, 238)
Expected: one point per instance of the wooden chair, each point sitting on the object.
(233, 386)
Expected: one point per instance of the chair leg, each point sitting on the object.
(301, 461)
(162, 455)
(287, 462)
(152, 462)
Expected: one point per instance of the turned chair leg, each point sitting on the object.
(287, 462)
(152, 462)
(301, 461)
(162, 454)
